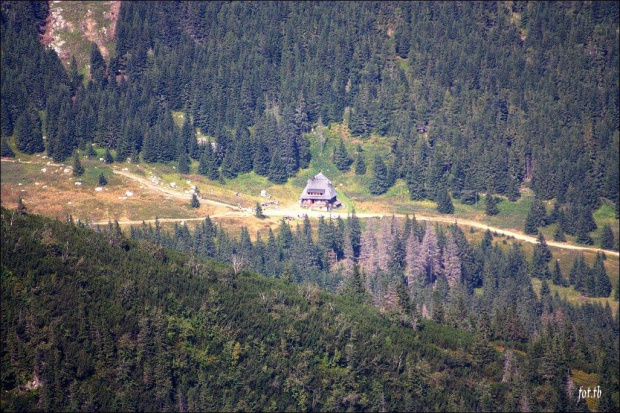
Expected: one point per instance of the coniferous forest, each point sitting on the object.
(477, 96)
(338, 314)
(99, 320)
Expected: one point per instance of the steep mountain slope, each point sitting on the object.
(95, 321)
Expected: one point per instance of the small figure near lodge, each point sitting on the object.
(319, 194)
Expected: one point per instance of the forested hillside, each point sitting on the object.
(475, 96)
(446, 99)
(96, 321)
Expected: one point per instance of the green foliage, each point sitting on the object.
(341, 158)
(558, 235)
(91, 153)
(107, 156)
(360, 164)
(490, 205)
(549, 118)
(102, 179)
(259, 211)
(277, 171)
(380, 181)
(531, 226)
(415, 183)
(184, 163)
(97, 66)
(602, 284)
(78, 169)
(444, 202)
(157, 322)
(607, 238)
(28, 137)
(194, 203)
(5, 150)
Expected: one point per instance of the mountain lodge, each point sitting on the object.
(319, 193)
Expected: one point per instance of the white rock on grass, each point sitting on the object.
(125, 169)
(101, 159)
(66, 170)
(99, 189)
(173, 184)
(129, 193)
(44, 170)
(78, 183)
(44, 186)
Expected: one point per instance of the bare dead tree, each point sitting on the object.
(238, 262)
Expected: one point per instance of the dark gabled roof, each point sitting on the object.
(319, 184)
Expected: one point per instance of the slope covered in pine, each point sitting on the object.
(470, 98)
(95, 321)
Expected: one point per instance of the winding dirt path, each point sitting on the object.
(294, 212)
(234, 212)
(169, 191)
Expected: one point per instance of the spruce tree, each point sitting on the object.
(277, 170)
(21, 208)
(538, 212)
(583, 236)
(6, 123)
(6, 151)
(557, 277)
(491, 205)
(194, 203)
(380, 180)
(259, 211)
(540, 258)
(607, 238)
(444, 203)
(415, 182)
(97, 66)
(530, 224)
(602, 284)
(91, 153)
(558, 235)
(229, 170)
(78, 170)
(261, 158)
(360, 164)
(244, 150)
(202, 164)
(28, 137)
(213, 172)
(184, 163)
(102, 180)
(107, 157)
(543, 248)
(341, 157)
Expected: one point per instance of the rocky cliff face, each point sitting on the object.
(71, 27)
